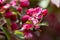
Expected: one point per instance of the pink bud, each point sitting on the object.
(14, 26)
(25, 18)
(8, 14)
(44, 12)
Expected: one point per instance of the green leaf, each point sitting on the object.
(19, 34)
(44, 24)
(0, 14)
(29, 22)
(8, 22)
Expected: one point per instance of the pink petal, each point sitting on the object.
(26, 26)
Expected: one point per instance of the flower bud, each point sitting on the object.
(25, 18)
(14, 26)
(44, 12)
(8, 14)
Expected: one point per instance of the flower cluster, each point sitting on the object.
(33, 18)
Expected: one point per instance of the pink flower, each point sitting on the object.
(24, 3)
(26, 27)
(34, 20)
(44, 12)
(25, 18)
(14, 26)
(29, 11)
(35, 12)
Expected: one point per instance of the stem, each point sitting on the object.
(9, 25)
(6, 32)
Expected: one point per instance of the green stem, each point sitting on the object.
(6, 33)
